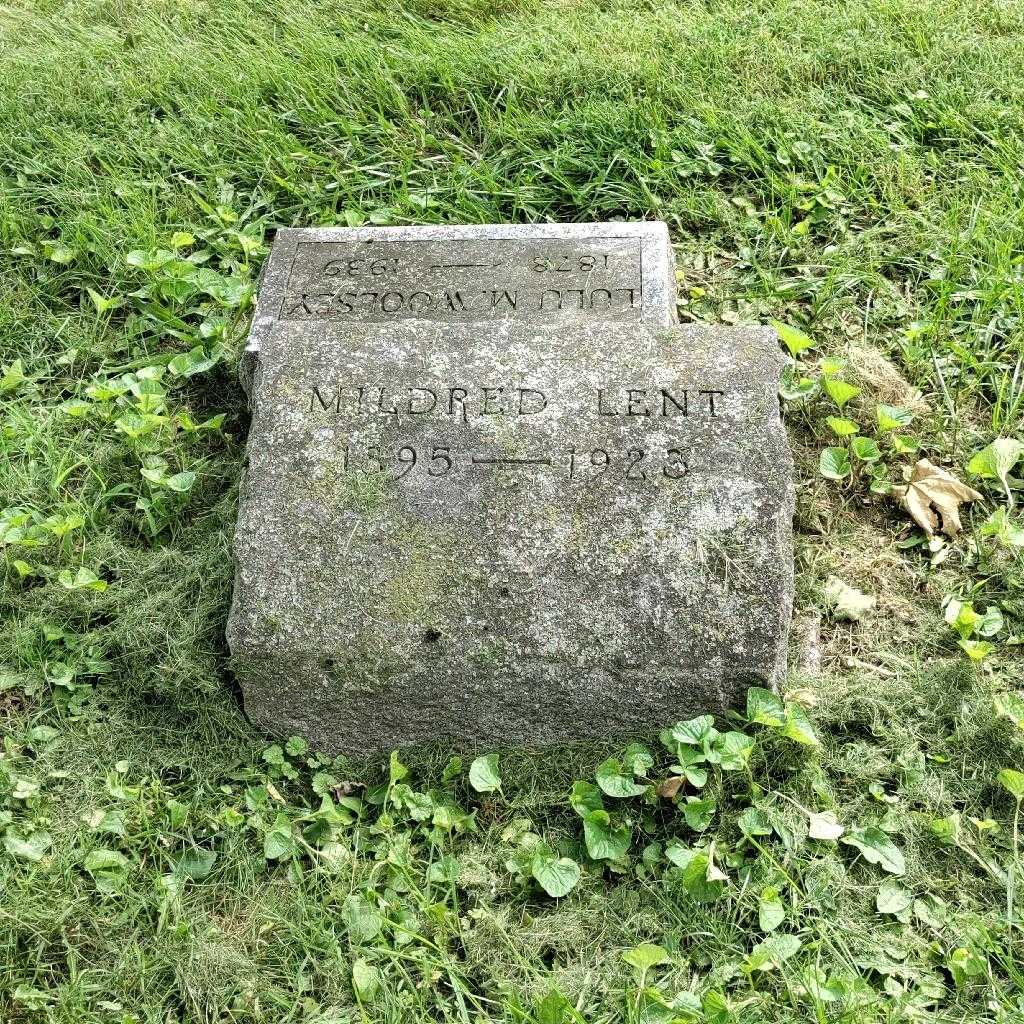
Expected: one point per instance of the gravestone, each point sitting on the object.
(510, 517)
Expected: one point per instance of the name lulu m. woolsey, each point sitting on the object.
(495, 496)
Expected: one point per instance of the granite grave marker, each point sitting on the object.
(533, 512)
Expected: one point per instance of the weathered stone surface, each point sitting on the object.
(469, 273)
(531, 530)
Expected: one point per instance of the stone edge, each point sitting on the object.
(273, 276)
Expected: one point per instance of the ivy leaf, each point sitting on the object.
(877, 848)
(612, 782)
(996, 461)
(695, 732)
(754, 822)
(893, 899)
(149, 260)
(794, 386)
(798, 726)
(557, 876)
(1013, 782)
(892, 417)
(195, 864)
(643, 957)
(770, 911)
(637, 759)
(58, 252)
(698, 813)
(84, 579)
(834, 463)
(108, 869)
(12, 376)
(700, 876)
(604, 840)
(771, 953)
(554, 1008)
(962, 617)
(946, 830)
(61, 526)
(1010, 704)
(795, 340)
(839, 391)
(1006, 532)
(444, 871)
(694, 775)
(363, 921)
(31, 849)
(734, 749)
(396, 770)
(818, 985)
(842, 427)
(865, 449)
(483, 774)
(196, 360)
(585, 797)
(365, 980)
(764, 707)
(181, 483)
(976, 650)
(991, 622)
(279, 842)
(103, 304)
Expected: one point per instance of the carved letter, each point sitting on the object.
(393, 411)
(302, 305)
(601, 410)
(427, 408)
(551, 291)
(538, 395)
(326, 406)
(666, 397)
(636, 402)
(711, 399)
(509, 298)
(461, 399)
(491, 394)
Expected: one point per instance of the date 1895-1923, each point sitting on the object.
(571, 463)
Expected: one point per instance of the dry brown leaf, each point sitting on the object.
(931, 490)
(803, 695)
(670, 786)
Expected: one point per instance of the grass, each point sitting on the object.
(849, 169)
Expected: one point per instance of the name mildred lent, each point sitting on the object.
(473, 402)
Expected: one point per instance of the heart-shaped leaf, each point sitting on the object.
(834, 463)
(877, 848)
(483, 774)
(557, 876)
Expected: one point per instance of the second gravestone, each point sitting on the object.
(503, 521)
